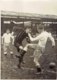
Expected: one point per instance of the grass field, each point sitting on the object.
(9, 68)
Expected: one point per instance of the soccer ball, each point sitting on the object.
(52, 65)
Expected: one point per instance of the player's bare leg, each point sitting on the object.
(37, 64)
(37, 55)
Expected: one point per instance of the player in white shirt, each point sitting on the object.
(42, 38)
(7, 42)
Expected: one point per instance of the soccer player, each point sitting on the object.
(42, 38)
(20, 36)
(7, 42)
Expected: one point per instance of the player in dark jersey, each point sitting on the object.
(20, 36)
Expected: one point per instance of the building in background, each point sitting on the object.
(14, 19)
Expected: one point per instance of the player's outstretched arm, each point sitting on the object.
(52, 40)
(33, 39)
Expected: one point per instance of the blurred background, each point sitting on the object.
(22, 13)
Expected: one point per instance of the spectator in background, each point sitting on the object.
(7, 42)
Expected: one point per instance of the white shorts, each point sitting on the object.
(6, 47)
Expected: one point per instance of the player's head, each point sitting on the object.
(28, 30)
(40, 27)
(27, 25)
(7, 31)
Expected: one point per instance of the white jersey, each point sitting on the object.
(6, 37)
(42, 39)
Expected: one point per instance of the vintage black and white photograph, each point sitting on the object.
(28, 39)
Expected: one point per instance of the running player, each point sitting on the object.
(20, 36)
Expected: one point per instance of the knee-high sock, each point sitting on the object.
(18, 49)
(22, 53)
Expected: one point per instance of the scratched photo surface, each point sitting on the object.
(22, 18)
